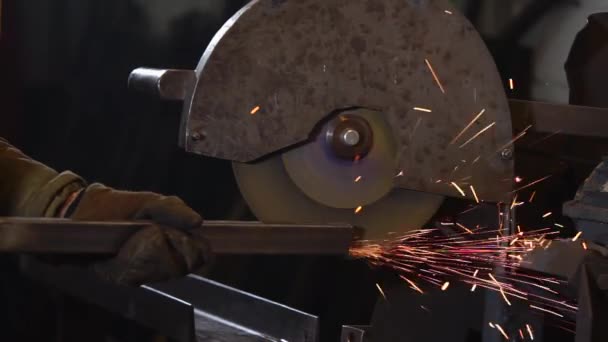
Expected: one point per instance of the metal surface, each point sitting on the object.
(167, 84)
(273, 197)
(226, 314)
(335, 182)
(557, 118)
(293, 63)
(356, 333)
(589, 209)
(188, 309)
(60, 236)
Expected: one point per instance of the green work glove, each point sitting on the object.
(153, 254)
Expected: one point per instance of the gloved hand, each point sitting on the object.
(152, 254)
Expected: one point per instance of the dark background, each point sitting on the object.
(64, 101)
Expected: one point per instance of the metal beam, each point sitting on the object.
(58, 236)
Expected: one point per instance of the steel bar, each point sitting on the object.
(189, 309)
(558, 118)
(59, 236)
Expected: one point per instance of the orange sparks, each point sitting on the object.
(465, 228)
(494, 279)
(504, 296)
(474, 194)
(420, 109)
(531, 184)
(532, 197)
(473, 288)
(578, 235)
(519, 229)
(584, 245)
(445, 286)
(412, 284)
(400, 174)
(358, 179)
(459, 189)
(358, 210)
(530, 332)
(448, 12)
(511, 84)
(512, 141)
(559, 225)
(502, 331)
(491, 325)
(434, 75)
(514, 241)
(521, 334)
(381, 291)
(514, 202)
(478, 134)
(475, 274)
(518, 179)
(547, 214)
(546, 310)
(254, 110)
(468, 126)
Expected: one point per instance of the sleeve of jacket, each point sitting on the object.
(31, 189)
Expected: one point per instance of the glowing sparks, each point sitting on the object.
(474, 194)
(516, 138)
(529, 328)
(428, 64)
(412, 284)
(511, 84)
(532, 197)
(493, 279)
(420, 109)
(459, 189)
(531, 184)
(559, 225)
(439, 260)
(514, 202)
(578, 235)
(448, 12)
(584, 245)
(255, 110)
(478, 134)
(358, 179)
(521, 334)
(546, 310)
(491, 325)
(381, 291)
(504, 296)
(465, 228)
(400, 174)
(467, 127)
(358, 210)
(502, 331)
(518, 179)
(547, 214)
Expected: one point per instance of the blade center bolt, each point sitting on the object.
(350, 137)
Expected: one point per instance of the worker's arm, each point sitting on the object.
(30, 188)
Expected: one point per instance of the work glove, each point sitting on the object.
(153, 254)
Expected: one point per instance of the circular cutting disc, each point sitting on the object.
(340, 182)
(274, 198)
